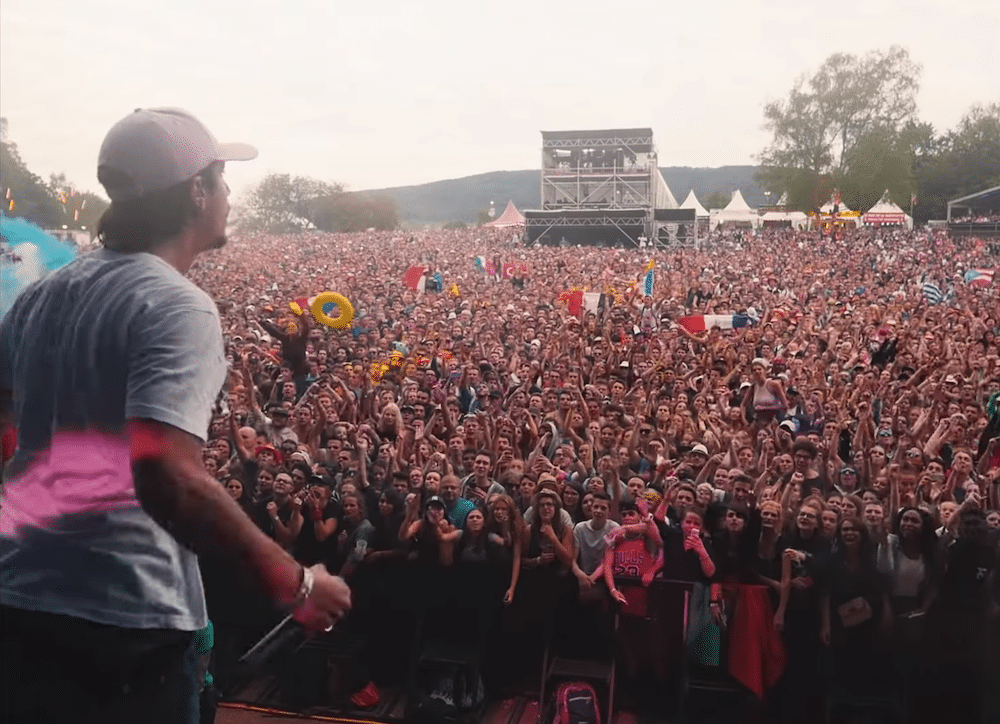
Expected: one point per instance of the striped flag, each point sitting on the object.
(932, 293)
(578, 301)
(979, 277)
(703, 322)
(647, 284)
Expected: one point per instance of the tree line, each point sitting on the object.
(852, 125)
(50, 204)
(282, 203)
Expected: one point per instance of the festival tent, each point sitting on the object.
(797, 219)
(842, 209)
(885, 212)
(737, 211)
(691, 202)
(510, 217)
(662, 196)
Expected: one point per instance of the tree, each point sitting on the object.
(348, 212)
(24, 193)
(821, 132)
(281, 204)
(962, 161)
(80, 209)
(718, 200)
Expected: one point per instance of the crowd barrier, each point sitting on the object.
(402, 611)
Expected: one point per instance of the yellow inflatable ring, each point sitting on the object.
(342, 320)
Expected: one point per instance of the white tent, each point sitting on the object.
(827, 208)
(797, 219)
(691, 202)
(885, 212)
(737, 211)
(510, 217)
(663, 198)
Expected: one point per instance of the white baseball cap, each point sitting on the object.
(152, 149)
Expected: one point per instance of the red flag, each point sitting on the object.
(575, 301)
(414, 277)
(508, 271)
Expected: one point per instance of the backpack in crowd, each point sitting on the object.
(575, 703)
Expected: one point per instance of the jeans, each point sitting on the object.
(63, 669)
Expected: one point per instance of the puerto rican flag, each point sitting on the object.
(979, 277)
(703, 322)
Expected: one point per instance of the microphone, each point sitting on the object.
(284, 638)
(287, 637)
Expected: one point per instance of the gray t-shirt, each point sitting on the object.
(590, 544)
(107, 339)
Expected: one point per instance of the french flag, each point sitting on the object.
(703, 322)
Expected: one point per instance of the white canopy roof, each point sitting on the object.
(510, 217)
(691, 202)
(886, 212)
(827, 208)
(738, 211)
(885, 206)
(738, 203)
(664, 199)
(797, 219)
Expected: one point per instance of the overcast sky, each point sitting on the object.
(374, 93)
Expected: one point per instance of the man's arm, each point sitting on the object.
(175, 489)
(6, 407)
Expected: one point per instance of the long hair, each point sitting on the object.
(866, 547)
(398, 423)
(536, 520)
(927, 537)
(358, 499)
(141, 224)
(516, 519)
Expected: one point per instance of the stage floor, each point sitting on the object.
(510, 711)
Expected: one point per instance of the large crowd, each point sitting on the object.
(840, 453)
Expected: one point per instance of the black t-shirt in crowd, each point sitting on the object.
(260, 516)
(307, 550)
(680, 564)
(965, 581)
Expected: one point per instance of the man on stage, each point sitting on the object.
(109, 369)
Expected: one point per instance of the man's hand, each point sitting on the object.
(329, 601)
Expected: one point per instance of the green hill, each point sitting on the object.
(463, 199)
